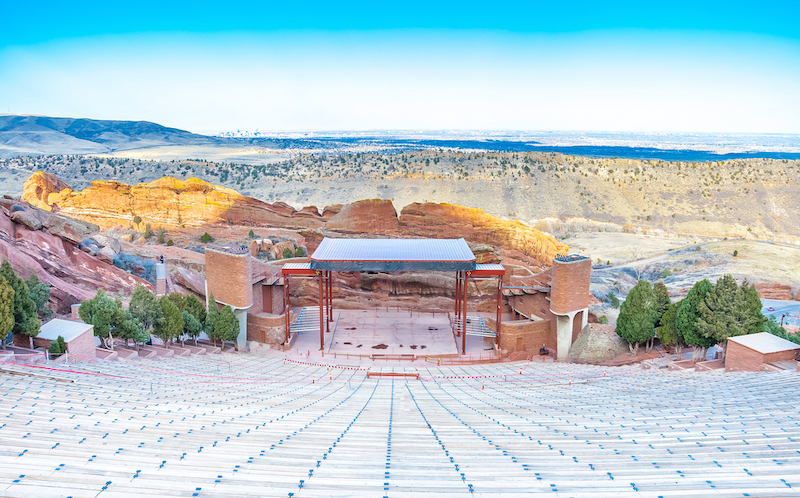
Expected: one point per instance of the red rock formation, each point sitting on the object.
(370, 216)
(450, 221)
(164, 202)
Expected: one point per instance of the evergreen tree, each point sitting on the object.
(637, 316)
(145, 308)
(688, 314)
(178, 300)
(6, 309)
(211, 316)
(667, 331)
(191, 326)
(728, 310)
(226, 326)
(103, 313)
(172, 324)
(662, 301)
(25, 320)
(57, 347)
(129, 328)
(196, 308)
(39, 292)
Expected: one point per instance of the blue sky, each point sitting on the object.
(608, 66)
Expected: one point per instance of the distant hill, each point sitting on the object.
(23, 135)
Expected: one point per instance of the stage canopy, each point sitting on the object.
(393, 255)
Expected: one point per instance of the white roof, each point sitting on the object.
(764, 342)
(64, 328)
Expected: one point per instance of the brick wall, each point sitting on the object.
(267, 329)
(570, 285)
(258, 299)
(229, 277)
(81, 348)
(524, 335)
(740, 357)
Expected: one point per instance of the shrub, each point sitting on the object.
(148, 232)
(161, 232)
(665, 273)
(206, 238)
(613, 299)
(735, 253)
(603, 320)
(299, 253)
(287, 253)
(136, 220)
(697, 248)
(57, 347)
(129, 262)
(170, 243)
(252, 234)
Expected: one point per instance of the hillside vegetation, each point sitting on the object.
(741, 197)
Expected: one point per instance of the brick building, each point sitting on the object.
(755, 352)
(78, 336)
(552, 310)
(254, 290)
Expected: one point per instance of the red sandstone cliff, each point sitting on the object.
(194, 203)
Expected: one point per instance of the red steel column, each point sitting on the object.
(464, 320)
(330, 298)
(458, 302)
(321, 311)
(499, 304)
(286, 305)
(328, 301)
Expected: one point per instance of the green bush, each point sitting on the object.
(603, 320)
(206, 238)
(161, 232)
(665, 273)
(613, 299)
(252, 234)
(735, 253)
(57, 347)
(136, 220)
(287, 253)
(148, 232)
(299, 253)
(170, 243)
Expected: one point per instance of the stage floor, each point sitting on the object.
(381, 332)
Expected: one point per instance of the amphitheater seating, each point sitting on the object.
(259, 425)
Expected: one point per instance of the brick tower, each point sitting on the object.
(569, 296)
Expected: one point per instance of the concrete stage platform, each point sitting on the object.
(391, 332)
(430, 333)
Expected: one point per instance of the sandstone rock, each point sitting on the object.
(67, 228)
(107, 255)
(371, 215)
(329, 211)
(254, 248)
(141, 241)
(277, 249)
(189, 279)
(450, 221)
(772, 290)
(6, 225)
(307, 212)
(27, 219)
(105, 241)
(39, 186)
(128, 237)
(597, 342)
(164, 202)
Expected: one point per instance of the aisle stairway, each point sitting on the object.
(258, 425)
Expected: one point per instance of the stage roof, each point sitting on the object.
(393, 255)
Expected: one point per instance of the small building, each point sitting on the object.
(753, 352)
(78, 336)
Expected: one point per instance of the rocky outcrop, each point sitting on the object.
(164, 202)
(450, 221)
(597, 342)
(370, 216)
(53, 255)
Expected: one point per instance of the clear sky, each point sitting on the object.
(706, 66)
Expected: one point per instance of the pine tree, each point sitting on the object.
(667, 331)
(729, 311)
(39, 292)
(191, 325)
(196, 308)
(26, 321)
(662, 301)
(145, 308)
(6, 309)
(172, 325)
(103, 314)
(688, 314)
(211, 316)
(637, 316)
(226, 326)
